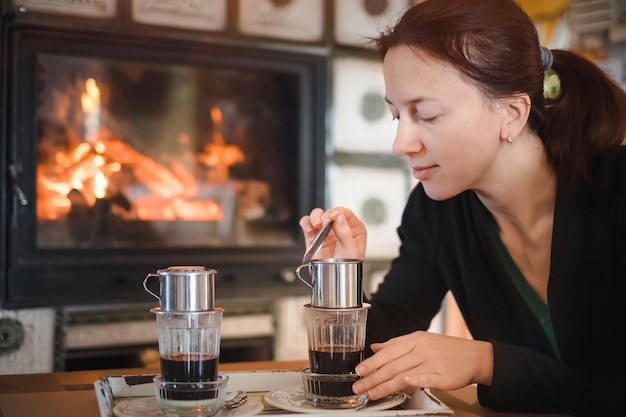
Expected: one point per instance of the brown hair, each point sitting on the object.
(495, 44)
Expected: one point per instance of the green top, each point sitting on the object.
(536, 304)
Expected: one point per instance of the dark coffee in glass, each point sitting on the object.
(189, 367)
(337, 360)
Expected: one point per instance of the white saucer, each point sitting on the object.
(148, 407)
(292, 399)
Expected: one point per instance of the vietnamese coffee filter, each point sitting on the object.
(335, 282)
(184, 288)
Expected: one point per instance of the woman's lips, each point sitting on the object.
(423, 173)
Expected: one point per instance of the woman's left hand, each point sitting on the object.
(424, 360)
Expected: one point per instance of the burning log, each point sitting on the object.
(158, 178)
(81, 209)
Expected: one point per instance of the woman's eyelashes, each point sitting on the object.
(416, 117)
(425, 115)
(428, 115)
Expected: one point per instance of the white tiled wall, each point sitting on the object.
(291, 332)
(36, 352)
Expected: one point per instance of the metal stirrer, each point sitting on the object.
(317, 242)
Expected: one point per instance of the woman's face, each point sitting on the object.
(447, 128)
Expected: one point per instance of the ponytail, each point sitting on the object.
(585, 120)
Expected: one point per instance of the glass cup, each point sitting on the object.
(189, 345)
(190, 399)
(336, 341)
(329, 390)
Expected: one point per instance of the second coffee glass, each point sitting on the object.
(189, 344)
(336, 339)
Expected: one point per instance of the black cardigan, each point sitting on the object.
(446, 246)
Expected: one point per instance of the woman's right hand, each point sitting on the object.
(347, 238)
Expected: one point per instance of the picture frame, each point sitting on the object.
(377, 195)
(361, 118)
(97, 9)
(357, 20)
(207, 15)
(293, 20)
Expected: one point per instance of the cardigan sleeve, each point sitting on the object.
(527, 381)
(413, 289)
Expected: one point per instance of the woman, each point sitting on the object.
(520, 212)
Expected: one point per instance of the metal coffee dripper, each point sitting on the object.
(184, 288)
(188, 323)
(335, 282)
(336, 321)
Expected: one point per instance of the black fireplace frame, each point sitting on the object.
(31, 277)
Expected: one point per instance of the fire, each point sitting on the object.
(217, 155)
(100, 164)
(90, 102)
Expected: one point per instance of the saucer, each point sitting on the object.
(148, 407)
(292, 399)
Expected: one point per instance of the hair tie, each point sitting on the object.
(546, 58)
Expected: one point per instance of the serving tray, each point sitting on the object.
(112, 390)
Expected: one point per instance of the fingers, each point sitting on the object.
(316, 219)
(382, 389)
(385, 372)
(312, 222)
(347, 239)
(385, 353)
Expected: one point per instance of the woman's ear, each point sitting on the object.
(516, 111)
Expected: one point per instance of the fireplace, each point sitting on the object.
(127, 154)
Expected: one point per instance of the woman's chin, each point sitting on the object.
(439, 193)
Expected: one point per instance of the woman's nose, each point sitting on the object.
(406, 142)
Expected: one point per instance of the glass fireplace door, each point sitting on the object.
(137, 154)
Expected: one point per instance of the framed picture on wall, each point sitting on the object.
(377, 195)
(358, 20)
(361, 121)
(209, 15)
(293, 20)
(102, 9)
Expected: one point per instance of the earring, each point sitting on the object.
(509, 140)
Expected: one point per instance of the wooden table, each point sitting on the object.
(71, 394)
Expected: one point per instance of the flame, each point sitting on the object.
(100, 163)
(100, 185)
(218, 156)
(90, 102)
(90, 99)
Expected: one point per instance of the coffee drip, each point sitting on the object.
(336, 322)
(188, 322)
